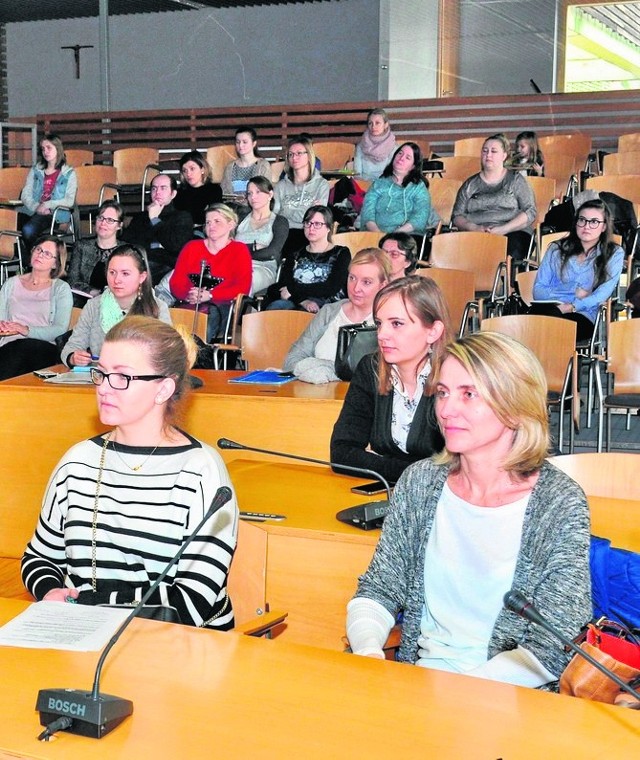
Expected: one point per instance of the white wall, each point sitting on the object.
(409, 48)
(320, 52)
(504, 44)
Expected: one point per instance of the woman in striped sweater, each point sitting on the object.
(118, 506)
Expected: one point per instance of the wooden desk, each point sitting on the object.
(236, 697)
(40, 421)
(313, 560)
(617, 520)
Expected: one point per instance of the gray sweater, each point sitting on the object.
(291, 201)
(88, 334)
(304, 347)
(552, 567)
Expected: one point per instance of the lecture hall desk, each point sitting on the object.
(235, 697)
(313, 560)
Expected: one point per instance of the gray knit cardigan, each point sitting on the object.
(552, 568)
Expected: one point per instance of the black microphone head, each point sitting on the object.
(225, 443)
(223, 494)
(515, 601)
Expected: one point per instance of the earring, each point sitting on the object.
(139, 293)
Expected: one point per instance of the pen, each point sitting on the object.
(94, 358)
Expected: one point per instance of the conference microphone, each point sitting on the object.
(517, 602)
(90, 713)
(365, 516)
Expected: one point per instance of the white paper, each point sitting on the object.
(59, 625)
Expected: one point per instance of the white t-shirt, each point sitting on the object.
(470, 561)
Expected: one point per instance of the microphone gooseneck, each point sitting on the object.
(91, 713)
(365, 516)
(517, 602)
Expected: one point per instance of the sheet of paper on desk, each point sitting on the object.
(57, 625)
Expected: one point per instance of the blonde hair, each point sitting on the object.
(511, 381)
(226, 211)
(502, 139)
(423, 298)
(171, 351)
(373, 256)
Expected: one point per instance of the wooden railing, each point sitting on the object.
(603, 115)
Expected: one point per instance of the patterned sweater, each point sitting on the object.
(552, 567)
(143, 519)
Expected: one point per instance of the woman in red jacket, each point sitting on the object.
(225, 257)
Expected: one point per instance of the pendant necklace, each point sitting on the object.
(137, 467)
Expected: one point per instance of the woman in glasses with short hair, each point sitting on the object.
(119, 506)
(34, 309)
(128, 292)
(580, 272)
(89, 255)
(316, 274)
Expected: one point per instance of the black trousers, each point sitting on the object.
(26, 355)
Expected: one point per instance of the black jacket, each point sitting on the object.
(365, 422)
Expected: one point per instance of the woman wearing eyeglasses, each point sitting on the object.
(86, 269)
(317, 273)
(402, 251)
(119, 506)
(580, 272)
(34, 309)
(301, 187)
(128, 291)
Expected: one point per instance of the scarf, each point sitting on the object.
(110, 311)
(376, 149)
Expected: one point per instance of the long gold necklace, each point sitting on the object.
(137, 467)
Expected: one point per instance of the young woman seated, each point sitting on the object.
(50, 184)
(387, 420)
(196, 190)
(119, 506)
(89, 256)
(580, 272)
(35, 308)
(301, 187)
(128, 292)
(399, 201)
(316, 274)
(264, 231)
(497, 200)
(312, 357)
(225, 257)
(376, 146)
(488, 515)
(248, 164)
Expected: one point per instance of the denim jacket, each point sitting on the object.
(64, 191)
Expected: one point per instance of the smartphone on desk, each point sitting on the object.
(369, 489)
(44, 374)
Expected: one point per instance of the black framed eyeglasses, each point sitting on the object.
(582, 221)
(118, 380)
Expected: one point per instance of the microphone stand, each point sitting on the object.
(364, 516)
(517, 602)
(91, 713)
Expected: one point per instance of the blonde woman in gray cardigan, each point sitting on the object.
(465, 527)
(128, 292)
